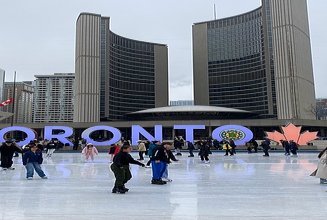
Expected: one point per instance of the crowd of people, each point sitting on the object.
(160, 156)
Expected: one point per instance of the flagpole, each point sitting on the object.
(14, 101)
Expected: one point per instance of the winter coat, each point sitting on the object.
(266, 145)
(92, 151)
(322, 167)
(226, 146)
(114, 150)
(123, 159)
(8, 151)
(160, 153)
(152, 146)
(190, 146)
(141, 147)
(178, 144)
(31, 157)
(204, 150)
(232, 144)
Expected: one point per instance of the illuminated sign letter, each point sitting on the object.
(115, 132)
(189, 130)
(239, 134)
(29, 132)
(62, 136)
(137, 130)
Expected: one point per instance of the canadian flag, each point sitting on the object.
(7, 102)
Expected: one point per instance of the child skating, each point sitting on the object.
(89, 152)
(120, 168)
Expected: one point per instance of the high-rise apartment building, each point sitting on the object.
(54, 98)
(116, 75)
(23, 102)
(258, 61)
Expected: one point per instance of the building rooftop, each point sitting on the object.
(191, 112)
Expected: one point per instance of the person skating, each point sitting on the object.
(120, 168)
(32, 159)
(191, 148)
(89, 152)
(255, 145)
(321, 171)
(159, 162)
(27, 147)
(233, 146)
(152, 146)
(266, 147)
(216, 144)
(178, 145)
(113, 151)
(171, 157)
(141, 149)
(51, 147)
(227, 148)
(204, 152)
(7, 151)
(286, 147)
(294, 148)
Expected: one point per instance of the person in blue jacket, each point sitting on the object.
(152, 146)
(32, 160)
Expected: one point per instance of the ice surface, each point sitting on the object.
(240, 187)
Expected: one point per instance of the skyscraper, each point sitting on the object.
(258, 61)
(54, 98)
(116, 75)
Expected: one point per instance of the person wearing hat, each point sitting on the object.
(7, 151)
(28, 146)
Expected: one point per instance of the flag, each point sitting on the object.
(7, 102)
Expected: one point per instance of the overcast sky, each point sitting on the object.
(38, 36)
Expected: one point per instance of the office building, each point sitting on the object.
(54, 98)
(116, 75)
(2, 82)
(23, 102)
(258, 61)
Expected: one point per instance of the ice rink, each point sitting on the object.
(240, 187)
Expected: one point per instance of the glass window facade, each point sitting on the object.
(127, 75)
(237, 63)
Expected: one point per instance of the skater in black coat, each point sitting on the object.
(120, 168)
(204, 152)
(191, 148)
(7, 150)
(266, 147)
(294, 148)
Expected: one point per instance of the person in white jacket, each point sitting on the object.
(89, 152)
(141, 149)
